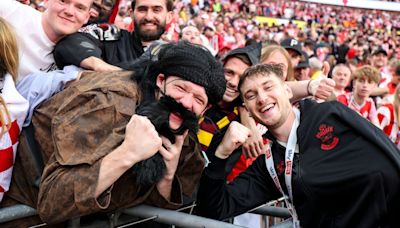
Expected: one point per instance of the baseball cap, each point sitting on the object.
(379, 50)
(303, 63)
(291, 43)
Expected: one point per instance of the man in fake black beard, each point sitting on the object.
(150, 171)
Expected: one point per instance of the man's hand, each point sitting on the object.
(322, 88)
(235, 136)
(141, 139)
(140, 143)
(171, 153)
(254, 144)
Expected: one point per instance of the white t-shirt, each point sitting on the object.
(35, 48)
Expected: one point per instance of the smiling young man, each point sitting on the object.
(214, 125)
(39, 32)
(103, 47)
(318, 160)
(97, 139)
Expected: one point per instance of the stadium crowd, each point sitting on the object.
(235, 103)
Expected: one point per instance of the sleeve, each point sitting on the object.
(84, 129)
(176, 200)
(73, 49)
(7, 7)
(219, 200)
(383, 116)
(362, 127)
(40, 86)
(187, 177)
(68, 192)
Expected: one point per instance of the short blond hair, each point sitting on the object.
(367, 72)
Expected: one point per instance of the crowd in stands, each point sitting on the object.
(88, 111)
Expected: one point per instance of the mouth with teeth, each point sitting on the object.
(148, 24)
(267, 108)
(175, 120)
(231, 90)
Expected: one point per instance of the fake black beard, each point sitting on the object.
(151, 170)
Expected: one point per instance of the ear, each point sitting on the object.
(245, 107)
(160, 81)
(131, 13)
(87, 17)
(244, 104)
(169, 17)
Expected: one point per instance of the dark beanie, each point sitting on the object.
(193, 63)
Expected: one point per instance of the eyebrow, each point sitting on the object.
(263, 84)
(84, 7)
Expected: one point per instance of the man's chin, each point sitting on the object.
(150, 35)
(229, 98)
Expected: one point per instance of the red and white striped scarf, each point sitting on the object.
(17, 107)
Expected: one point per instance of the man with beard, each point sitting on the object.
(317, 160)
(104, 47)
(96, 139)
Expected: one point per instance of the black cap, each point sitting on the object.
(379, 50)
(193, 63)
(293, 44)
(304, 63)
(253, 53)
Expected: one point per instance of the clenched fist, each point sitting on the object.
(235, 136)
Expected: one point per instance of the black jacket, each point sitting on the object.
(116, 47)
(347, 174)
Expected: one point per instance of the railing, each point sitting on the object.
(146, 213)
(15, 212)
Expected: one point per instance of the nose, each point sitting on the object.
(261, 98)
(149, 15)
(187, 102)
(234, 81)
(69, 9)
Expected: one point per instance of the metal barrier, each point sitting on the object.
(16, 212)
(272, 211)
(175, 217)
(144, 212)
